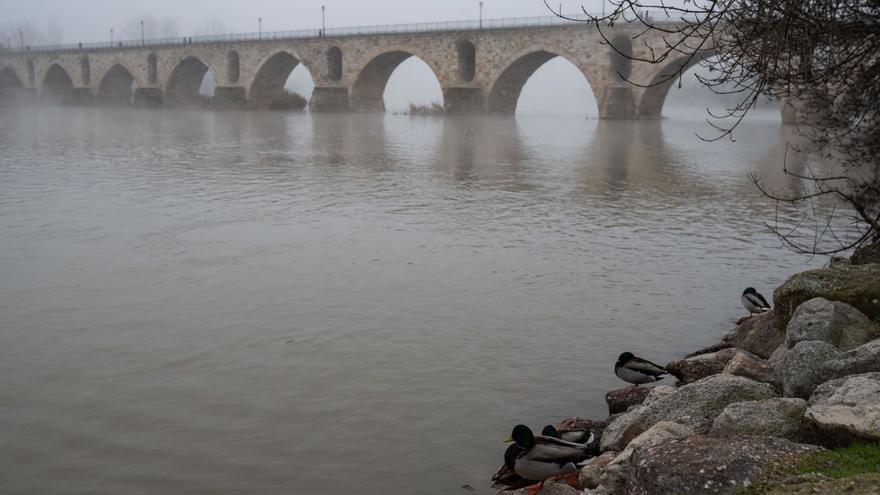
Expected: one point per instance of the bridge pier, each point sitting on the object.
(229, 98)
(464, 100)
(82, 97)
(147, 98)
(618, 102)
(329, 99)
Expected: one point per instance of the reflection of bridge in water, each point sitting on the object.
(481, 67)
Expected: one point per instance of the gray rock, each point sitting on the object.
(862, 359)
(772, 417)
(750, 366)
(694, 368)
(614, 476)
(866, 255)
(846, 409)
(708, 465)
(658, 393)
(800, 370)
(834, 322)
(854, 285)
(591, 474)
(695, 405)
(778, 354)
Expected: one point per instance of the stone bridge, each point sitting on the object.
(481, 68)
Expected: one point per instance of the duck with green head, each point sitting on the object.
(537, 458)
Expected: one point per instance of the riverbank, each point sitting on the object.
(786, 402)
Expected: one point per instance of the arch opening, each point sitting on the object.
(621, 58)
(57, 86)
(467, 61)
(550, 70)
(686, 97)
(117, 87)
(187, 86)
(85, 69)
(398, 81)
(281, 83)
(233, 66)
(152, 68)
(334, 63)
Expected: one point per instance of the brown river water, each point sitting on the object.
(266, 303)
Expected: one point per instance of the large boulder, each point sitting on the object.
(846, 409)
(862, 359)
(772, 417)
(591, 475)
(854, 285)
(834, 322)
(709, 465)
(866, 255)
(695, 405)
(750, 366)
(758, 335)
(799, 371)
(623, 398)
(614, 476)
(694, 368)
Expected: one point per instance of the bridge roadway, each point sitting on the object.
(482, 67)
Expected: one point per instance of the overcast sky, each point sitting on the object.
(91, 20)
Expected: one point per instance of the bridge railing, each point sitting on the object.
(425, 27)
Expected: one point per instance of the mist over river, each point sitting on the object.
(273, 303)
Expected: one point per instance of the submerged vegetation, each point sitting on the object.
(289, 101)
(433, 109)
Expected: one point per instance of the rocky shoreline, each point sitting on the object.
(779, 387)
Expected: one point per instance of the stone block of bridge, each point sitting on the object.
(464, 100)
(229, 98)
(147, 98)
(329, 99)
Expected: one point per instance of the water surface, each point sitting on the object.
(268, 303)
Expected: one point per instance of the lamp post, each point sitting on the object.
(143, 40)
(21, 38)
(111, 37)
(260, 20)
(323, 20)
(481, 15)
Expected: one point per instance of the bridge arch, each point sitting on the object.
(268, 83)
(57, 86)
(368, 90)
(116, 86)
(85, 71)
(467, 60)
(334, 63)
(182, 87)
(233, 66)
(9, 78)
(505, 91)
(621, 58)
(651, 103)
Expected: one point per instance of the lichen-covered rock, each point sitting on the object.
(777, 355)
(751, 367)
(862, 359)
(800, 370)
(834, 322)
(657, 393)
(854, 285)
(694, 368)
(846, 409)
(772, 417)
(758, 335)
(695, 405)
(866, 255)
(623, 398)
(591, 474)
(614, 476)
(708, 465)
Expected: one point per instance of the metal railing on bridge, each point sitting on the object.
(424, 27)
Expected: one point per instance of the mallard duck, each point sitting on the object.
(754, 302)
(539, 458)
(637, 371)
(574, 436)
(505, 477)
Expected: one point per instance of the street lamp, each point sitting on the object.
(323, 20)
(260, 20)
(143, 40)
(111, 37)
(481, 15)
(21, 38)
